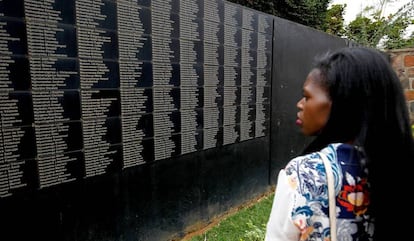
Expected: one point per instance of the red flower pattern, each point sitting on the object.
(355, 198)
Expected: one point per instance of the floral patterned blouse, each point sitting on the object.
(300, 206)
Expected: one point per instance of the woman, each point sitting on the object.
(354, 104)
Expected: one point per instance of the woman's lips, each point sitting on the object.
(299, 122)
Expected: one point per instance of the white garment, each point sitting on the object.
(288, 230)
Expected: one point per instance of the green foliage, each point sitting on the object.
(259, 5)
(249, 224)
(371, 28)
(363, 31)
(334, 20)
(394, 40)
(255, 233)
(307, 12)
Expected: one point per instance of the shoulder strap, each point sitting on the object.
(331, 195)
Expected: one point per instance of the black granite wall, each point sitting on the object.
(138, 120)
(295, 47)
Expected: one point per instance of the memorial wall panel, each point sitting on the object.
(91, 87)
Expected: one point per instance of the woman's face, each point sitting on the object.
(314, 107)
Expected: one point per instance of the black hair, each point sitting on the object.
(370, 109)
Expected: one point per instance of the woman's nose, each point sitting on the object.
(299, 104)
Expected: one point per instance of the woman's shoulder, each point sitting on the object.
(302, 161)
(310, 166)
(331, 151)
(305, 167)
(312, 160)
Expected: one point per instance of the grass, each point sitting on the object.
(248, 224)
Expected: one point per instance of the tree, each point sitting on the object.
(369, 28)
(372, 28)
(307, 12)
(334, 21)
(259, 5)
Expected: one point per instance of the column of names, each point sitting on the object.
(164, 80)
(132, 24)
(99, 81)
(51, 70)
(232, 75)
(213, 74)
(12, 126)
(190, 68)
(248, 75)
(264, 53)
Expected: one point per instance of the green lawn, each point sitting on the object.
(248, 224)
